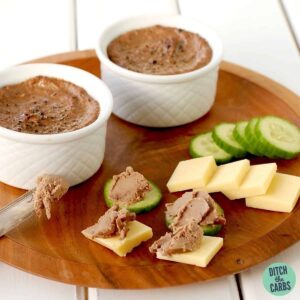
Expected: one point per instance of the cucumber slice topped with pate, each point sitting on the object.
(223, 137)
(212, 229)
(278, 137)
(150, 200)
(204, 145)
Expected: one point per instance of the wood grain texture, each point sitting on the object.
(56, 249)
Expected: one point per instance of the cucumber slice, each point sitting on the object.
(150, 201)
(211, 230)
(278, 137)
(204, 145)
(207, 229)
(223, 137)
(252, 140)
(239, 133)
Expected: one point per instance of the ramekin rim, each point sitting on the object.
(151, 78)
(30, 138)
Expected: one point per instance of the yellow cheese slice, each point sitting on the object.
(201, 257)
(192, 173)
(256, 182)
(228, 176)
(282, 195)
(137, 233)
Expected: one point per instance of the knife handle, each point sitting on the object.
(16, 212)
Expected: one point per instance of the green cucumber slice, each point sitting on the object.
(150, 201)
(278, 137)
(239, 133)
(253, 141)
(223, 136)
(204, 145)
(211, 230)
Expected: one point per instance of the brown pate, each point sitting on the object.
(187, 213)
(128, 187)
(197, 205)
(46, 105)
(113, 222)
(160, 50)
(49, 188)
(184, 239)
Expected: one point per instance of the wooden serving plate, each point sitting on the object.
(56, 249)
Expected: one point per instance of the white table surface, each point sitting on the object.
(261, 35)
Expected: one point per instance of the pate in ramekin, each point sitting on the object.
(75, 155)
(160, 100)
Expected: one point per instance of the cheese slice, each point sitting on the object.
(228, 176)
(256, 182)
(201, 257)
(192, 173)
(137, 233)
(282, 195)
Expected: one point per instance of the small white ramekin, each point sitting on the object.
(160, 100)
(75, 155)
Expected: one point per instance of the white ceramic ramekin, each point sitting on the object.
(76, 155)
(160, 100)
